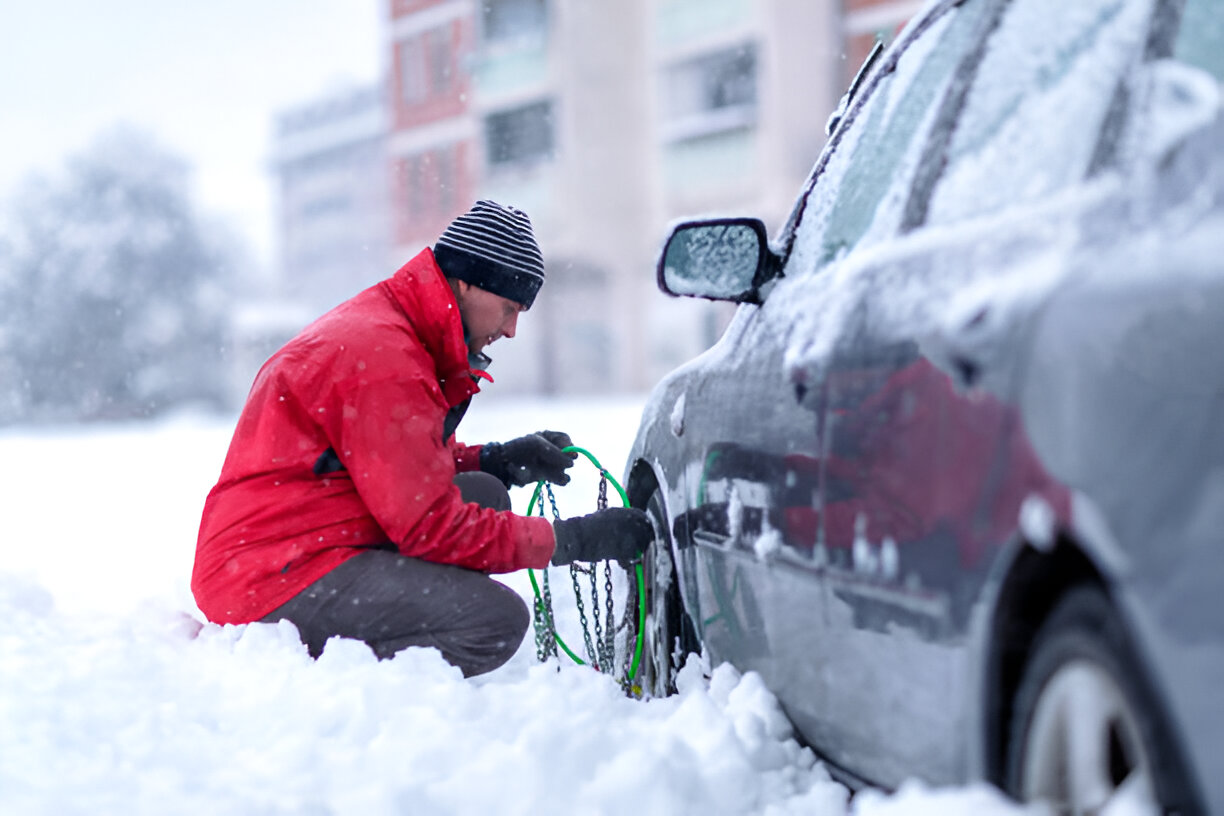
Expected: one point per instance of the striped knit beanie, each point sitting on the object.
(491, 246)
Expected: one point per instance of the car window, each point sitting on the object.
(1200, 40)
(1034, 114)
(861, 193)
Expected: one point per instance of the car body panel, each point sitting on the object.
(858, 470)
(1139, 429)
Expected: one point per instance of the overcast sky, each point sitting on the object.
(205, 77)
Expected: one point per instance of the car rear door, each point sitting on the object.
(756, 486)
(928, 468)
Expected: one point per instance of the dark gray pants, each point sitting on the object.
(392, 602)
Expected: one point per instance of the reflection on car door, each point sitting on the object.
(922, 483)
(757, 490)
(836, 690)
(757, 438)
(925, 479)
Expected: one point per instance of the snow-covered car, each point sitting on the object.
(952, 481)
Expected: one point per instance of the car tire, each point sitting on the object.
(1083, 727)
(669, 635)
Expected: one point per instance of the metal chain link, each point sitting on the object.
(605, 642)
(598, 637)
(592, 655)
(600, 643)
(543, 618)
(609, 642)
(629, 626)
(545, 642)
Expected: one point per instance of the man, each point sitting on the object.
(346, 506)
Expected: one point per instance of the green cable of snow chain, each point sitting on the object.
(637, 567)
(548, 617)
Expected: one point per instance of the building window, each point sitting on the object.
(712, 92)
(519, 135)
(438, 52)
(427, 65)
(430, 183)
(325, 207)
(446, 160)
(414, 187)
(503, 20)
(413, 88)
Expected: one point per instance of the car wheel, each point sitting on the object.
(1083, 729)
(669, 635)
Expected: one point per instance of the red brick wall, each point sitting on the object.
(433, 185)
(429, 189)
(432, 104)
(856, 47)
(402, 8)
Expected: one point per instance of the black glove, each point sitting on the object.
(614, 534)
(529, 459)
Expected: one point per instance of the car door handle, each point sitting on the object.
(804, 382)
(966, 370)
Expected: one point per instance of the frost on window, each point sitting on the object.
(1034, 115)
(712, 260)
(861, 194)
(1200, 40)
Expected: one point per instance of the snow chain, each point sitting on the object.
(542, 614)
(599, 636)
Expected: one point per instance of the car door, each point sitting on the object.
(927, 467)
(755, 497)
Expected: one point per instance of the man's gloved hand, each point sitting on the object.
(614, 534)
(529, 459)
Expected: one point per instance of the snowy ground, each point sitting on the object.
(115, 697)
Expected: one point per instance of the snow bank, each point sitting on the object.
(116, 698)
(154, 713)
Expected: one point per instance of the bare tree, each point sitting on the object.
(114, 292)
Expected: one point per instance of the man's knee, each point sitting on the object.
(515, 615)
(492, 641)
(476, 622)
(478, 487)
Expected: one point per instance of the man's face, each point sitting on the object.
(486, 316)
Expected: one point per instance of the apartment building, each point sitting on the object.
(743, 90)
(864, 22)
(605, 122)
(432, 135)
(330, 162)
(559, 90)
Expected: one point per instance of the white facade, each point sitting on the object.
(330, 161)
(605, 122)
(741, 90)
(658, 109)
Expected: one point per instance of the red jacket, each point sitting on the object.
(372, 379)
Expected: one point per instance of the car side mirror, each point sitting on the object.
(718, 259)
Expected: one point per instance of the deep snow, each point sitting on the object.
(115, 697)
